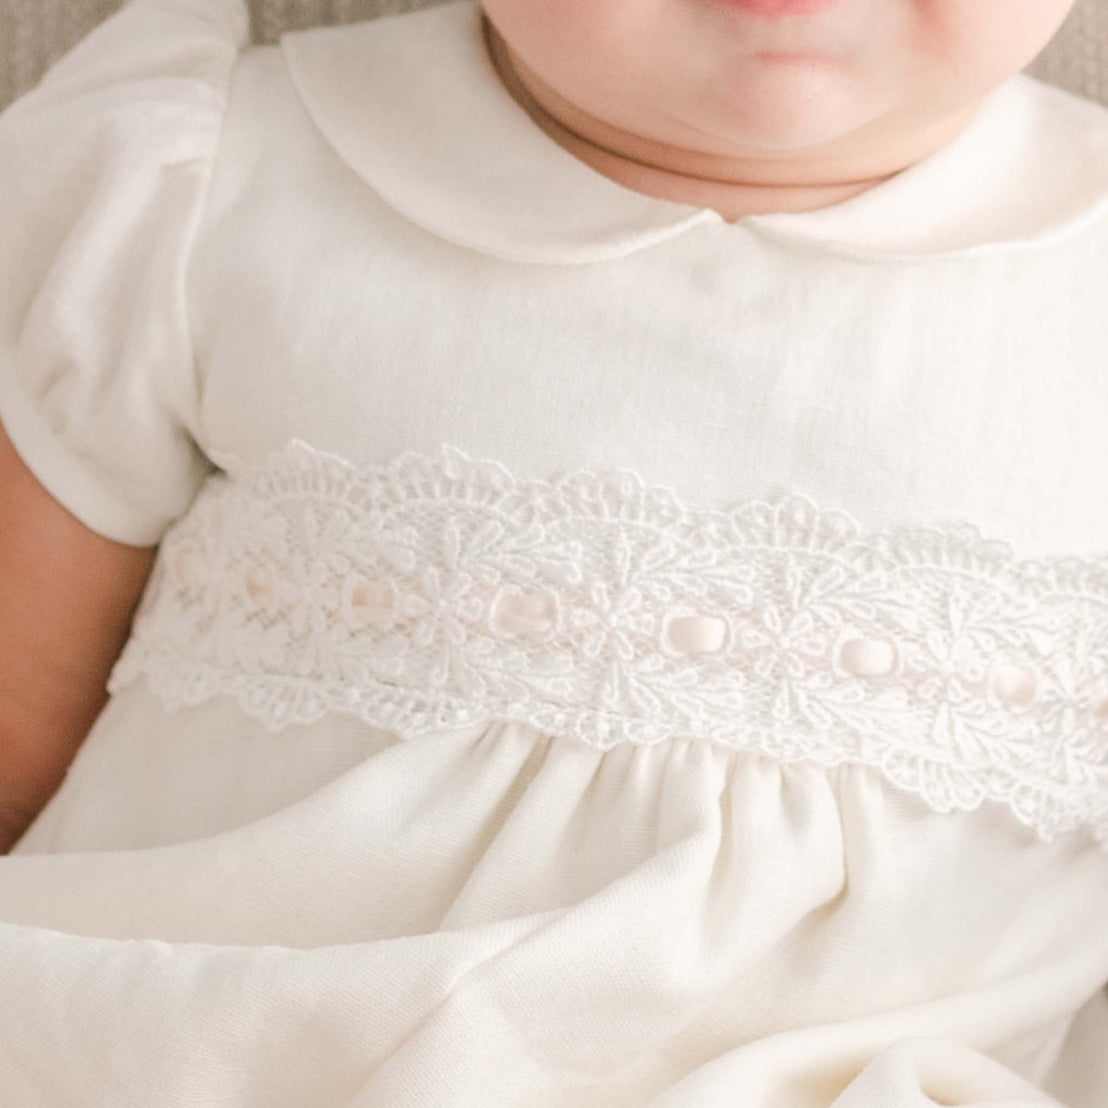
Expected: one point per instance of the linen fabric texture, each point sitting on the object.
(598, 654)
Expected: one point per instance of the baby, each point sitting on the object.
(760, 106)
(551, 554)
(737, 107)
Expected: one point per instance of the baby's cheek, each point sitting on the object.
(986, 41)
(540, 28)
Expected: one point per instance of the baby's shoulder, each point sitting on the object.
(106, 165)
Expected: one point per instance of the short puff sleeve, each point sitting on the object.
(104, 167)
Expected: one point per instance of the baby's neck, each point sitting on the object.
(733, 187)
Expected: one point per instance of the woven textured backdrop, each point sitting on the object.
(33, 32)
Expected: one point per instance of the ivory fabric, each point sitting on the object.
(35, 32)
(598, 654)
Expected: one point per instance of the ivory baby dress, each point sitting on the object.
(598, 655)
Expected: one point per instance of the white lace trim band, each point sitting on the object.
(436, 592)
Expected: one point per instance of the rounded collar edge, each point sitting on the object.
(413, 105)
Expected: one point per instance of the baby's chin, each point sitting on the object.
(787, 103)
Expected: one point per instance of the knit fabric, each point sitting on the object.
(35, 32)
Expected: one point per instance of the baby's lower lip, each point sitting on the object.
(774, 9)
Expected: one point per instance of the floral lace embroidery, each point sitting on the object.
(437, 592)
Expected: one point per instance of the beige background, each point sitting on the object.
(33, 32)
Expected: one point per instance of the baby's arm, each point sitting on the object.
(67, 595)
(105, 172)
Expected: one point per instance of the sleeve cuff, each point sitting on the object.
(68, 478)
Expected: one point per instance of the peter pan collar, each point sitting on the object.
(413, 105)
